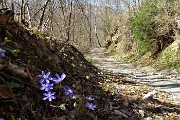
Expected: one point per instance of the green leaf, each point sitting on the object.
(115, 92)
(15, 52)
(75, 105)
(73, 65)
(106, 87)
(14, 85)
(72, 58)
(101, 91)
(62, 106)
(62, 49)
(6, 40)
(74, 97)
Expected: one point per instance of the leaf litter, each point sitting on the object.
(85, 79)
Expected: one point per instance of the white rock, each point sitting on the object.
(149, 95)
(141, 112)
(148, 118)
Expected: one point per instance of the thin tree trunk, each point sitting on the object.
(69, 23)
(42, 16)
(63, 7)
(74, 17)
(51, 10)
(82, 10)
(29, 16)
(95, 28)
(22, 9)
(90, 28)
(24, 12)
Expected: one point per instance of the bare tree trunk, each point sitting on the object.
(90, 28)
(95, 27)
(88, 19)
(51, 10)
(28, 13)
(42, 16)
(69, 23)
(63, 8)
(74, 17)
(22, 10)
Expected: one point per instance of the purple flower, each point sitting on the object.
(118, 96)
(59, 78)
(46, 86)
(1, 118)
(44, 77)
(2, 52)
(69, 92)
(90, 106)
(89, 98)
(49, 96)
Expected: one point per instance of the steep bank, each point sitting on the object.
(150, 36)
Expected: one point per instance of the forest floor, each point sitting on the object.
(117, 97)
(140, 80)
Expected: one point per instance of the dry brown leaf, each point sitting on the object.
(2, 63)
(6, 92)
(125, 102)
(12, 117)
(61, 118)
(172, 117)
(79, 87)
(81, 110)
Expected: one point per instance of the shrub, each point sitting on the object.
(142, 25)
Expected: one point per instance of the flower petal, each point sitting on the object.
(63, 76)
(42, 73)
(41, 80)
(45, 98)
(3, 51)
(2, 54)
(48, 74)
(45, 94)
(42, 88)
(57, 75)
(49, 99)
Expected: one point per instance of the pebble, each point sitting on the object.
(148, 118)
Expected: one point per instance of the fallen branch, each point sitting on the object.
(18, 80)
(15, 71)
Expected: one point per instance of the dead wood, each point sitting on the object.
(16, 79)
(14, 70)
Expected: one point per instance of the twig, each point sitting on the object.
(14, 70)
(3, 9)
(54, 106)
(16, 79)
